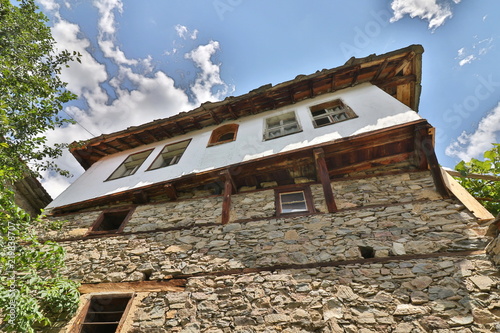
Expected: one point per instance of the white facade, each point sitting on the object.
(375, 109)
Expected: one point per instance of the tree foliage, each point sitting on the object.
(32, 290)
(486, 190)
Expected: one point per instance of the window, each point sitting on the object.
(104, 313)
(281, 125)
(170, 155)
(111, 221)
(294, 200)
(130, 165)
(223, 134)
(330, 113)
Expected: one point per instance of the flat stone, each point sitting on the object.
(421, 282)
(484, 283)
(419, 297)
(276, 318)
(408, 309)
(461, 320)
(398, 249)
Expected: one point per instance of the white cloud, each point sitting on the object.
(479, 48)
(467, 60)
(434, 11)
(141, 93)
(209, 77)
(472, 145)
(184, 32)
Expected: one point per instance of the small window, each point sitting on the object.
(105, 313)
(111, 221)
(170, 155)
(331, 113)
(281, 125)
(223, 134)
(295, 200)
(130, 165)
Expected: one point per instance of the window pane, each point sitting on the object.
(170, 155)
(293, 202)
(281, 125)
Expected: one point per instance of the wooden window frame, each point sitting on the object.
(136, 167)
(79, 322)
(290, 189)
(330, 114)
(220, 132)
(102, 216)
(281, 127)
(160, 155)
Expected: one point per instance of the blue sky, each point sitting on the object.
(145, 60)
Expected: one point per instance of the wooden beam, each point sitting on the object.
(226, 202)
(324, 178)
(355, 76)
(140, 197)
(406, 60)
(474, 176)
(176, 285)
(380, 69)
(170, 191)
(419, 158)
(214, 117)
(428, 149)
(230, 110)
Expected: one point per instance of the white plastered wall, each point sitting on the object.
(375, 109)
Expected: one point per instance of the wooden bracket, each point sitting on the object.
(324, 178)
(170, 191)
(426, 145)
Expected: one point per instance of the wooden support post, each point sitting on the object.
(226, 202)
(428, 149)
(324, 178)
(170, 191)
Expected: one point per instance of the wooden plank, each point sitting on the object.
(474, 176)
(226, 201)
(170, 191)
(437, 176)
(465, 197)
(175, 285)
(324, 178)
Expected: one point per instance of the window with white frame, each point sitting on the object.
(131, 164)
(293, 200)
(170, 155)
(281, 125)
(330, 113)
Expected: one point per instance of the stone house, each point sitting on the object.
(315, 205)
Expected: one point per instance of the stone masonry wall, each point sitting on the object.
(425, 271)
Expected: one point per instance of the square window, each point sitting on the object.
(330, 113)
(294, 200)
(104, 313)
(281, 125)
(170, 155)
(111, 221)
(130, 165)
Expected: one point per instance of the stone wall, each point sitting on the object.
(396, 257)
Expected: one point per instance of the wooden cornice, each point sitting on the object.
(397, 72)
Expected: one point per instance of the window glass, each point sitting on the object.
(331, 113)
(170, 155)
(223, 134)
(281, 125)
(293, 202)
(130, 165)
